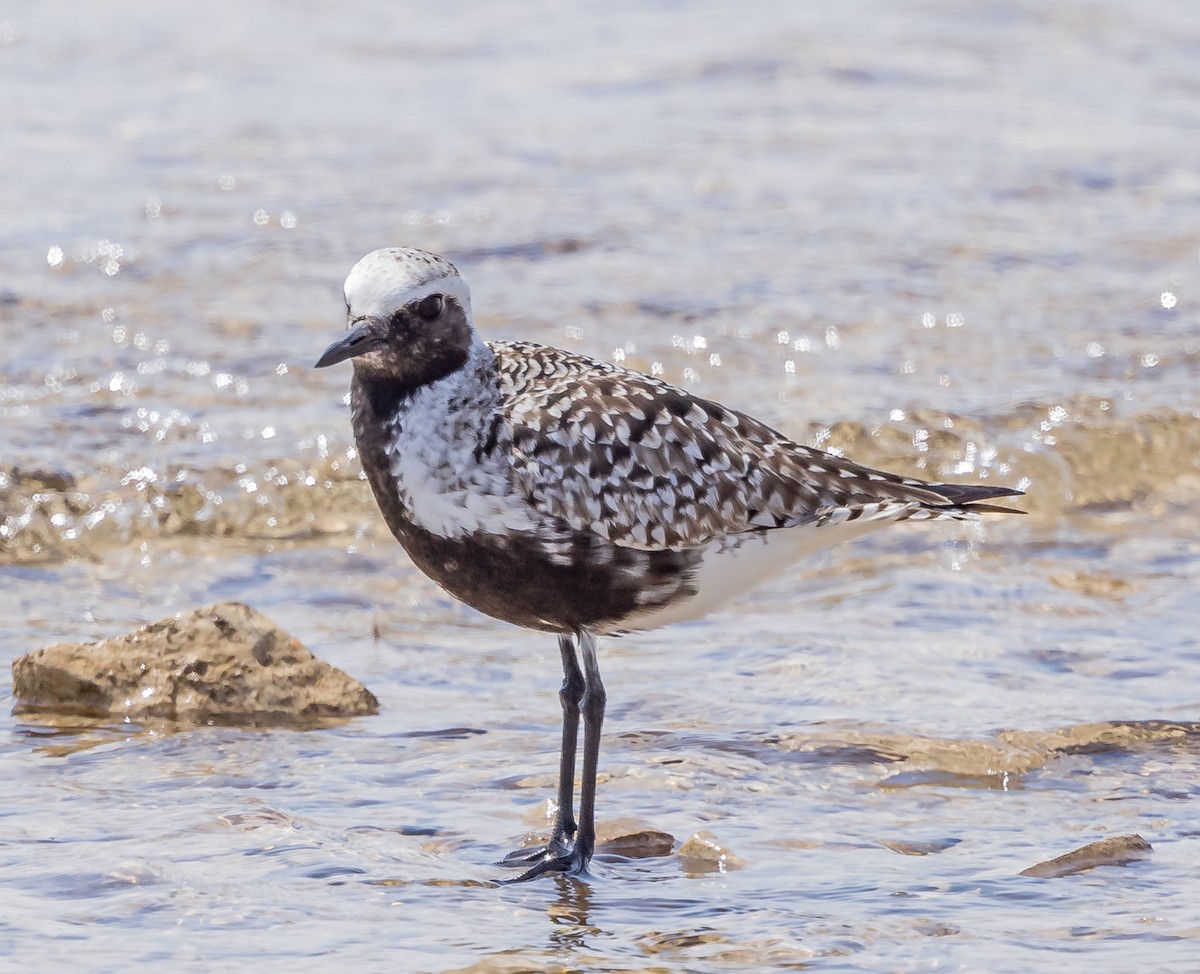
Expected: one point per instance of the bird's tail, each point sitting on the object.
(967, 500)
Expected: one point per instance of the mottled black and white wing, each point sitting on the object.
(647, 465)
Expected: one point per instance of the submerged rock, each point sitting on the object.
(909, 847)
(632, 839)
(703, 853)
(1094, 584)
(1116, 850)
(997, 763)
(225, 664)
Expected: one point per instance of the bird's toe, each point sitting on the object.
(553, 857)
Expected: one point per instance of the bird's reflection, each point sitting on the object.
(570, 914)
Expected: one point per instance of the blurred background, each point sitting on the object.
(956, 240)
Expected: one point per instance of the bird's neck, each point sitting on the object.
(378, 396)
(454, 406)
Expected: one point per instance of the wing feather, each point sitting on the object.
(647, 465)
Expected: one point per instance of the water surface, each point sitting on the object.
(958, 242)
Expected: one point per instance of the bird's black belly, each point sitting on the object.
(512, 578)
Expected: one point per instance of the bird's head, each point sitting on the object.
(408, 318)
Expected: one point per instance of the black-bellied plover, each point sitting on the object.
(575, 497)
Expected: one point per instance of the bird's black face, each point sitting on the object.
(420, 342)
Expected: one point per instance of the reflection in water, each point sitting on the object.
(60, 736)
(571, 929)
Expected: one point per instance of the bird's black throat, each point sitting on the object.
(385, 391)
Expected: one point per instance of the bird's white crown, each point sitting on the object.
(386, 280)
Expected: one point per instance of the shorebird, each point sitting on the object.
(575, 497)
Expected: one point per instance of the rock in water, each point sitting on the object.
(703, 853)
(224, 664)
(1116, 850)
(633, 839)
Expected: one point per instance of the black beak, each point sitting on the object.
(360, 339)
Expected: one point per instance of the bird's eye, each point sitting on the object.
(430, 307)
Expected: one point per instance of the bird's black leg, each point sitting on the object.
(561, 856)
(570, 694)
(592, 705)
(558, 848)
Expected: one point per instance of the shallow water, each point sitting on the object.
(958, 241)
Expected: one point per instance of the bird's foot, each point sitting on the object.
(559, 855)
(571, 862)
